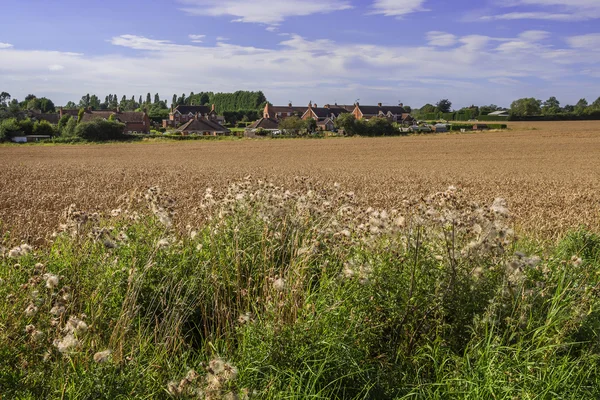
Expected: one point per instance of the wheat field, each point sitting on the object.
(547, 171)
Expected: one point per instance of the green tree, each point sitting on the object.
(62, 122)
(43, 128)
(346, 122)
(70, 105)
(581, 106)
(596, 104)
(26, 126)
(293, 125)
(428, 109)
(4, 99)
(80, 114)
(310, 125)
(9, 128)
(148, 98)
(444, 106)
(174, 101)
(551, 106)
(156, 98)
(94, 102)
(380, 127)
(69, 129)
(526, 107)
(100, 130)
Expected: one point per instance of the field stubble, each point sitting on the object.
(548, 173)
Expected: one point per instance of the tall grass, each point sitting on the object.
(300, 294)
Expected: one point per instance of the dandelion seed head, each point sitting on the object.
(102, 356)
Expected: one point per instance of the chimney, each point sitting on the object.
(310, 104)
(89, 108)
(118, 109)
(196, 116)
(213, 108)
(60, 112)
(379, 104)
(172, 108)
(316, 105)
(357, 104)
(290, 105)
(401, 104)
(327, 106)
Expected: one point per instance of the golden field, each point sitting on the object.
(549, 172)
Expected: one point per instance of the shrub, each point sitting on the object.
(100, 130)
(43, 128)
(9, 128)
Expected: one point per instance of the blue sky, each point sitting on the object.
(414, 51)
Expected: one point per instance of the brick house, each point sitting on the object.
(392, 113)
(325, 116)
(135, 121)
(278, 113)
(183, 114)
(200, 125)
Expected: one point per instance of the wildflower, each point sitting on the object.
(37, 335)
(245, 318)
(29, 329)
(577, 261)
(101, 356)
(31, 310)
(57, 310)
(66, 344)
(230, 372)
(76, 326)
(173, 388)
(216, 366)
(163, 243)
(14, 253)
(279, 284)
(499, 207)
(115, 213)
(51, 281)
(38, 267)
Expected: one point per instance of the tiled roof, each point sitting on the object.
(374, 110)
(185, 110)
(202, 125)
(52, 118)
(286, 109)
(134, 117)
(264, 123)
(323, 112)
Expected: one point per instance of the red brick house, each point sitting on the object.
(326, 116)
(392, 113)
(202, 126)
(183, 113)
(278, 113)
(135, 121)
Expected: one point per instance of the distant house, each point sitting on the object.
(202, 126)
(393, 113)
(40, 116)
(266, 124)
(278, 113)
(183, 113)
(326, 116)
(135, 121)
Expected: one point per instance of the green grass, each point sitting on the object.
(309, 297)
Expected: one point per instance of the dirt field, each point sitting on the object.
(548, 172)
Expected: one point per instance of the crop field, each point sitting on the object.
(547, 172)
(422, 267)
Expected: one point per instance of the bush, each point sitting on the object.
(100, 130)
(43, 128)
(9, 128)
(308, 295)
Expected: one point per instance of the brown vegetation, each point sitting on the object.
(548, 172)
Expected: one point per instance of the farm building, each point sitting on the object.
(202, 126)
(29, 138)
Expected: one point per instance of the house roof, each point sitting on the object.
(202, 125)
(52, 118)
(193, 109)
(374, 110)
(264, 123)
(132, 117)
(286, 109)
(324, 112)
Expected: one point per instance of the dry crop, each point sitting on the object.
(548, 173)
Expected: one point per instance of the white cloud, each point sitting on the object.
(303, 69)
(534, 36)
(197, 38)
(549, 10)
(398, 8)
(437, 38)
(262, 11)
(222, 39)
(590, 41)
(5, 45)
(55, 67)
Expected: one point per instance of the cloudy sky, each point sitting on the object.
(414, 51)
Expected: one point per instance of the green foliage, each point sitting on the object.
(69, 129)
(9, 128)
(444, 106)
(240, 100)
(62, 122)
(310, 125)
(303, 302)
(26, 126)
(292, 125)
(43, 128)
(100, 130)
(551, 106)
(526, 107)
(80, 114)
(232, 117)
